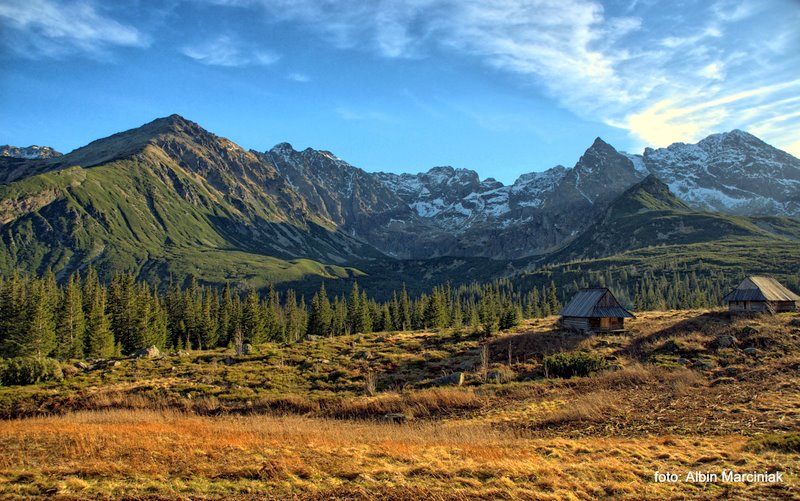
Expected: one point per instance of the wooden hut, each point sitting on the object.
(761, 295)
(594, 310)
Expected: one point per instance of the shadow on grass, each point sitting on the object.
(712, 322)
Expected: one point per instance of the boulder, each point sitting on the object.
(456, 378)
(749, 330)
(228, 361)
(703, 364)
(395, 417)
(751, 350)
(182, 353)
(151, 352)
(683, 361)
(82, 366)
(725, 341)
(247, 349)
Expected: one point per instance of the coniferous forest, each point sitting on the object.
(84, 318)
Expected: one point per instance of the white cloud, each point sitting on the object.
(664, 74)
(299, 77)
(713, 71)
(227, 51)
(55, 28)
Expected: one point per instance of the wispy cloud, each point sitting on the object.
(228, 51)
(353, 114)
(643, 68)
(54, 28)
(298, 77)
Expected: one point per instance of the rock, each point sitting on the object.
(228, 361)
(703, 364)
(723, 380)
(312, 337)
(182, 353)
(751, 350)
(395, 417)
(456, 378)
(725, 341)
(684, 361)
(82, 366)
(749, 330)
(247, 349)
(151, 352)
(113, 363)
(731, 371)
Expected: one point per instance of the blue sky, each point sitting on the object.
(503, 86)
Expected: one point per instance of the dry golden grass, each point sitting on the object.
(202, 430)
(114, 454)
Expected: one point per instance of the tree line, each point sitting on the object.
(84, 318)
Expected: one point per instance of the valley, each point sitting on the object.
(300, 419)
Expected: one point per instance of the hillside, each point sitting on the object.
(689, 390)
(168, 198)
(648, 214)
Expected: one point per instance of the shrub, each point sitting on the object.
(578, 364)
(785, 442)
(30, 370)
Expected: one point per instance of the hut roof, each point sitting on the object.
(594, 303)
(761, 289)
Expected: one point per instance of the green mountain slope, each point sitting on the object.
(648, 215)
(168, 198)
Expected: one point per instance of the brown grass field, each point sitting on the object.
(177, 429)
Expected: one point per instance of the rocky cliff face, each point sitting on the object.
(731, 172)
(29, 153)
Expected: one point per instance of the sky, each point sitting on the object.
(503, 87)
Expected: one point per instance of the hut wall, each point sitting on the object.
(605, 324)
(748, 306)
(575, 323)
(784, 305)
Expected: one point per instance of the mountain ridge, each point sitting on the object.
(171, 197)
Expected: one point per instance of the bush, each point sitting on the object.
(578, 364)
(30, 370)
(785, 442)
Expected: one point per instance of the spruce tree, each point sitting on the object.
(37, 337)
(320, 317)
(99, 338)
(404, 322)
(253, 319)
(71, 325)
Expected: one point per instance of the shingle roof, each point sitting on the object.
(761, 289)
(594, 303)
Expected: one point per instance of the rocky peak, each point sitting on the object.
(30, 153)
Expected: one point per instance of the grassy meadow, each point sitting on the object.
(361, 417)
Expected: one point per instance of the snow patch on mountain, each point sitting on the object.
(32, 152)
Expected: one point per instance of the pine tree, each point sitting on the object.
(99, 338)
(37, 337)
(320, 317)
(71, 326)
(12, 313)
(404, 322)
(552, 299)
(125, 321)
(225, 316)
(253, 319)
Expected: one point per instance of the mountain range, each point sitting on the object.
(170, 198)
